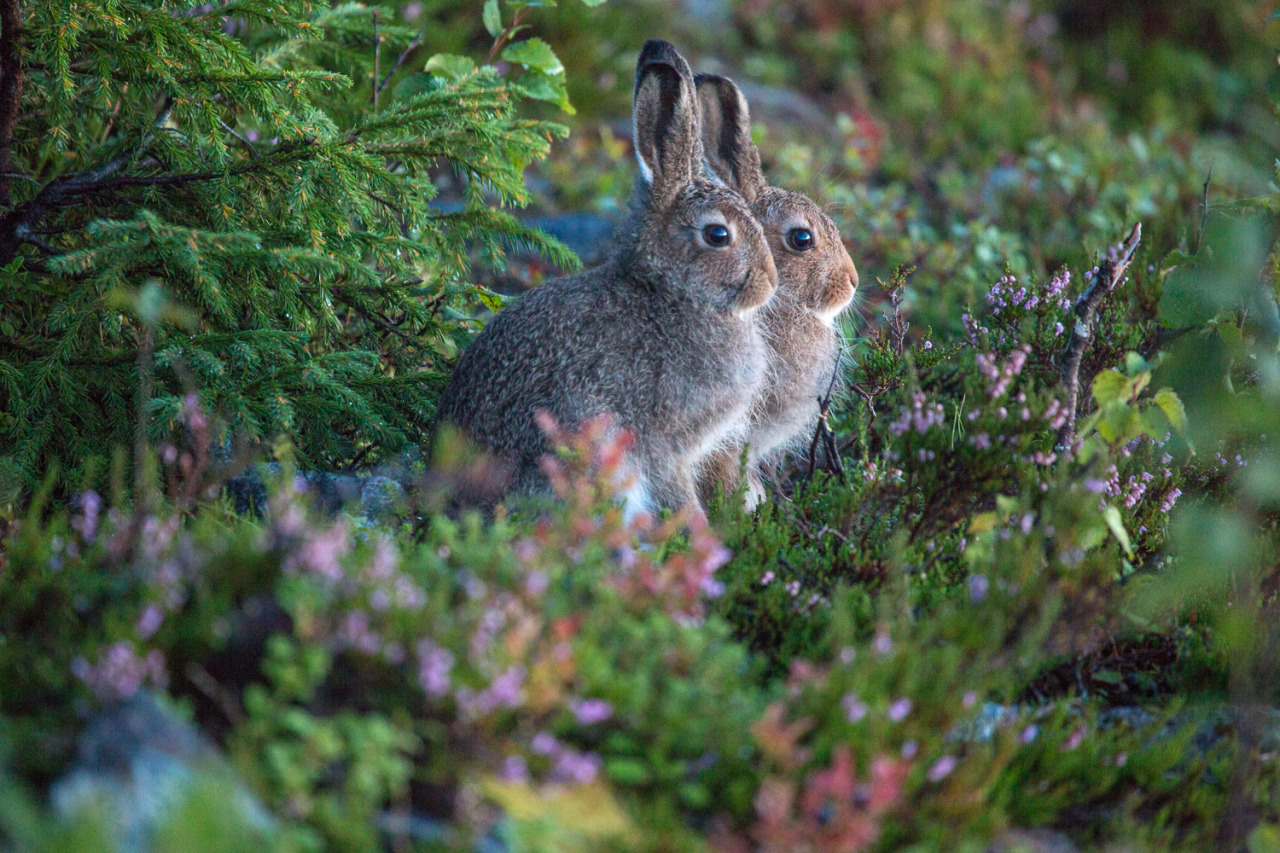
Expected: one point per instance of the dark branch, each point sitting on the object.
(1110, 272)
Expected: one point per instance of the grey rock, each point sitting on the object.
(372, 496)
(137, 763)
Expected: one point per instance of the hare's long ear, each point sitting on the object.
(725, 122)
(666, 121)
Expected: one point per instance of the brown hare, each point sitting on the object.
(661, 335)
(816, 281)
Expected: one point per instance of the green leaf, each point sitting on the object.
(1112, 516)
(1169, 402)
(1109, 386)
(492, 18)
(592, 3)
(628, 771)
(534, 54)
(450, 66)
(542, 87)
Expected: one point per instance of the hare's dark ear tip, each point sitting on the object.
(707, 80)
(659, 51)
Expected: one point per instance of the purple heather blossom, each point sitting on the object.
(854, 708)
(86, 524)
(882, 644)
(712, 588)
(588, 712)
(899, 710)
(1030, 733)
(545, 743)
(1170, 499)
(435, 664)
(149, 621)
(969, 699)
(120, 672)
(577, 767)
(909, 749)
(514, 769)
(978, 588)
(941, 768)
(767, 578)
(536, 583)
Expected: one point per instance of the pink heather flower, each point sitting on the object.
(588, 712)
(941, 768)
(969, 699)
(322, 553)
(712, 588)
(767, 578)
(514, 769)
(928, 344)
(434, 664)
(505, 691)
(899, 710)
(1074, 740)
(1122, 759)
(715, 558)
(1027, 521)
(793, 588)
(854, 708)
(847, 655)
(120, 672)
(536, 583)
(544, 743)
(526, 550)
(1170, 499)
(86, 524)
(882, 644)
(149, 622)
(978, 587)
(1095, 485)
(192, 414)
(576, 767)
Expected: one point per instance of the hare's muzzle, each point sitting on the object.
(757, 288)
(841, 287)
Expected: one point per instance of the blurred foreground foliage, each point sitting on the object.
(996, 623)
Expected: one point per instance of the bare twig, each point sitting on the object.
(253, 151)
(505, 36)
(1204, 208)
(823, 433)
(10, 86)
(1109, 273)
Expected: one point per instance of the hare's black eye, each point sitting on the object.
(800, 239)
(717, 236)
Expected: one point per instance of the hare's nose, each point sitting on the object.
(853, 275)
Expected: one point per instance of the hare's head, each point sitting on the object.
(814, 270)
(692, 232)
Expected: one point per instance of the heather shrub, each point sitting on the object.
(1018, 592)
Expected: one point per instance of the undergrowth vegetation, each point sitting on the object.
(1023, 592)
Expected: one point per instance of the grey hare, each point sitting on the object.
(661, 335)
(816, 281)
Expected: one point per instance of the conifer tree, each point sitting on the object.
(234, 200)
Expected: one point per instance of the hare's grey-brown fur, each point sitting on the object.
(814, 286)
(661, 335)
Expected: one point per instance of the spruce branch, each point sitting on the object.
(10, 86)
(1110, 272)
